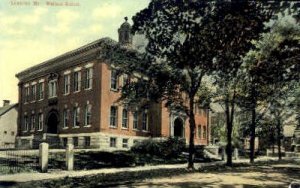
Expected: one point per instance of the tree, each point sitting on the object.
(274, 65)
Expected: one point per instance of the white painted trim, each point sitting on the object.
(77, 69)
(67, 72)
(42, 80)
(26, 85)
(33, 83)
(89, 65)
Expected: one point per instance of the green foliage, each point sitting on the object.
(166, 149)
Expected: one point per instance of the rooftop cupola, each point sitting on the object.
(125, 37)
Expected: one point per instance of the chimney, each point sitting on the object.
(6, 102)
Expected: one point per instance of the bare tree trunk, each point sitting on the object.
(278, 127)
(253, 125)
(192, 133)
(229, 134)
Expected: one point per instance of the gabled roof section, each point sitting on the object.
(91, 48)
(7, 108)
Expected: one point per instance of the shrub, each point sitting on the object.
(166, 149)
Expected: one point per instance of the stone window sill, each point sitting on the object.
(113, 127)
(76, 127)
(125, 128)
(87, 126)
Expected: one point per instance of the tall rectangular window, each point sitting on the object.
(113, 116)
(135, 120)
(77, 81)
(145, 121)
(32, 122)
(33, 92)
(76, 112)
(125, 143)
(114, 80)
(88, 115)
(125, 118)
(113, 142)
(204, 132)
(40, 121)
(26, 123)
(125, 79)
(65, 118)
(199, 131)
(40, 90)
(27, 94)
(52, 88)
(75, 141)
(87, 141)
(88, 78)
(67, 83)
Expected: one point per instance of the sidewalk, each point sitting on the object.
(35, 176)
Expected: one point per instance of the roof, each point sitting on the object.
(91, 47)
(7, 108)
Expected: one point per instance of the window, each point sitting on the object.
(67, 83)
(125, 118)
(125, 79)
(40, 91)
(87, 141)
(125, 143)
(204, 132)
(33, 92)
(27, 94)
(65, 118)
(5, 132)
(145, 121)
(113, 116)
(76, 116)
(77, 81)
(32, 122)
(26, 123)
(52, 88)
(113, 142)
(75, 141)
(40, 121)
(114, 80)
(65, 142)
(135, 120)
(199, 131)
(87, 115)
(12, 133)
(88, 78)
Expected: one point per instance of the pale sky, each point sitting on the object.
(32, 34)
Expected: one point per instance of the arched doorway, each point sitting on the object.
(178, 128)
(52, 122)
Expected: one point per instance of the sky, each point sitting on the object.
(33, 31)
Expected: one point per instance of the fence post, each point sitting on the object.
(70, 156)
(236, 154)
(44, 152)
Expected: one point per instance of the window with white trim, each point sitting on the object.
(33, 92)
(26, 123)
(114, 80)
(67, 83)
(125, 118)
(135, 120)
(113, 116)
(32, 122)
(40, 91)
(125, 143)
(113, 142)
(145, 121)
(40, 121)
(88, 78)
(88, 114)
(125, 79)
(76, 113)
(27, 94)
(199, 131)
(65, 118)
(204, 132)
(52, 88)
(77, 81)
